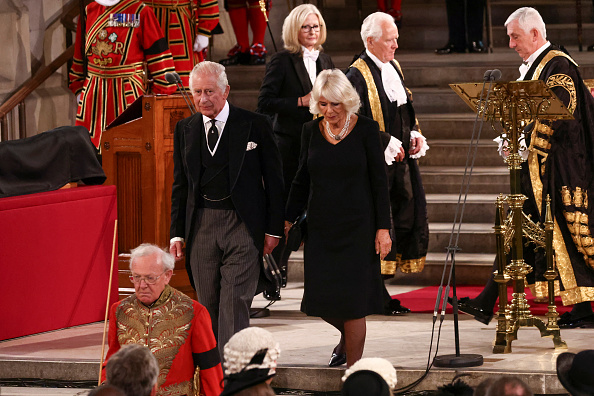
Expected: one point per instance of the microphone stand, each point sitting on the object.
(461, 360)
(174, 78)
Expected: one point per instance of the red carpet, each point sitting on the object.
(423, 300)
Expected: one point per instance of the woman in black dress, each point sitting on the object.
(342, 183)
(286, 90)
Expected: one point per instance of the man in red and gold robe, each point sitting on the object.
(121, 36)
(187, 25)
(176, 328)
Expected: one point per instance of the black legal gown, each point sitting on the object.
(345, 190)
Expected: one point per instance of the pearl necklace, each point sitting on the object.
(343, 131)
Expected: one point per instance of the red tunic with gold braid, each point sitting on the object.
(178, 331)
(181, 21)
(119, 40)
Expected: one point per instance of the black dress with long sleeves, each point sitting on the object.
(345, 190)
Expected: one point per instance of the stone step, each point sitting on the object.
(471, 269)
(438, 100)
(436, 36)
(454, 152)
(448, 179)
(452, 126)
(472, 237)
(479, 208)
(433, 12)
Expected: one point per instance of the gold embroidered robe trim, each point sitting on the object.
(374, 100)
(540, 289)
(163, 327)
(578, 222)
(565, 82)
(373, 95)
(406, 266)
(550, 55)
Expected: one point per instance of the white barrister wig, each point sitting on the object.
(379, 365)
(241, 348)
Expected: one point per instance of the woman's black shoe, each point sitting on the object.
(337, 359)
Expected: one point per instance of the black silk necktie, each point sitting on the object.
(213, 135)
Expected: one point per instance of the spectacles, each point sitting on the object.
(149, 280)
(309, 28)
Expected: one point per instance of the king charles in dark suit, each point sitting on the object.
(226, 201)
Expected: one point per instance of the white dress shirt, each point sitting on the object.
(220, 121)
(309, 60)
(527, 64)
(391, 80)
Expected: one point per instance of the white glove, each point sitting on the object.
(200, 43)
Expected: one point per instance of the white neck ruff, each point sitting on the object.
(107, 3)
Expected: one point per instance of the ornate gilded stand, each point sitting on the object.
(512, 106)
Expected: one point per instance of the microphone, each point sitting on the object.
(174, 78)
(495, 75)
(486, 76)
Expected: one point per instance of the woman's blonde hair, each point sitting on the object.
(335, 88)
(292, 26)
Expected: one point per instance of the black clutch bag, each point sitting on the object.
(297, 232)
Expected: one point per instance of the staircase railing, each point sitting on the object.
(12, 111)
(17, 100)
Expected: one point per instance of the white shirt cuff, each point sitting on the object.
(502, 146)
(424, 147)
(177, 239)
(393, 149)
(274, 236)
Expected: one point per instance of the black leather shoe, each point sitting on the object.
(465, 306)
(591, 47)
(240, 58)
(337, 359)
(477, 47)
(395, 308)
(567, 321)
(449, 49)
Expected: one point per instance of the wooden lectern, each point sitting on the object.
(137, 149)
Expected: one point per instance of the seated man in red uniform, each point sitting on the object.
(176, 328)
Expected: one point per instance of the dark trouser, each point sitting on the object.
(465, 21)
(225, 266)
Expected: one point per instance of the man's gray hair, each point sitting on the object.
(148, 249)
(133, 369)
(213, 69)
(373, 26)
(528, 18)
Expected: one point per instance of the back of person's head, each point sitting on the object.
(106, 390)
(133, 369)
(482, 388)
(262, 389)
(365, 383)
(509, 386)
(576, 372)
(250, 359)
(241, 348)
(379, 365)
